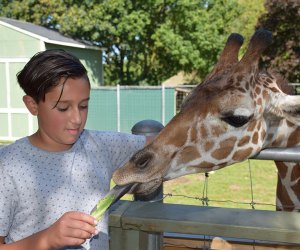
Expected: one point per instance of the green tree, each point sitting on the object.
(149, 41)
(250, 12)
(283, 19)
(145, 42)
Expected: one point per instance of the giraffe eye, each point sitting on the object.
(141, 159)
(236, 120)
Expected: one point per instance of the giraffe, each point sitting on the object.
(236, 112)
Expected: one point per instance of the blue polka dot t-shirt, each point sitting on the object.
(37, 187)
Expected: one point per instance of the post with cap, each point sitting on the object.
(152, 241)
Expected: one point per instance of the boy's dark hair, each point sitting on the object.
(45, 70)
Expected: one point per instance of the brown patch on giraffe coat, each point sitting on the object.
(259, 101)
(216, 131)
(273, 89)
(278, 141)
(193, 134)
(283, 196)
(296, 175)
(281, 189)
(265, 94)
(255, 138)
(296, 172)
(242, 90)
(251, 126)
(282, 169)
(176, 137)
(226, 147)
(257, 90)
(208, 145)
(188, 154)
(244, 140)
(282, 193)
(289, 124)
(268, 80)
(247, 86)
(206, 164)
(203, 131)
(265, 85)
(294, 138)
(242, 154)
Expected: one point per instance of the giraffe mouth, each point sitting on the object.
(146, 188)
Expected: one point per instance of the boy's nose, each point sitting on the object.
(76, 116)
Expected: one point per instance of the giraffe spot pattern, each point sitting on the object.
(188, 154)
(225, 149)
(255, 138)
(242, 154)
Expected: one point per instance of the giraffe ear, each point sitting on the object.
(229, 56)
(286, 106)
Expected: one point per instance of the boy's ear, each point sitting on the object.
(31, 104)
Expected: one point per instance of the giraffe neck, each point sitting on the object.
(288, 184)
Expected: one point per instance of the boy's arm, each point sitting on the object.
(34, 242)
(72, 229)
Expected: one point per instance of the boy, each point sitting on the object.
(52, 179)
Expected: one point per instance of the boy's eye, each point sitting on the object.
(83, 106)
(62, 109)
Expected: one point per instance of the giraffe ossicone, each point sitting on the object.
(236, 112)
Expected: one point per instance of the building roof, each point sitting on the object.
(43, 33)
(180, 78)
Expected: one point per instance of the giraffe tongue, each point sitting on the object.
(119, 191)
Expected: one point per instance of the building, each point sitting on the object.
(19, 41)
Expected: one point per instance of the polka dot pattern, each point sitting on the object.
(40, 186)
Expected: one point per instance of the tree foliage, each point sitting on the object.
(145, 42)
(283, 19)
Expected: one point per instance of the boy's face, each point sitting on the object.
(60, 123)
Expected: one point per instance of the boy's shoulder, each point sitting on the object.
(13, 147)
(111, 138)
(12, 153)
(97, 134)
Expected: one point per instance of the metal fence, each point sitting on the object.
(119, 108)
(110, 108)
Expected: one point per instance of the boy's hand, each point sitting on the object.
(72, 229)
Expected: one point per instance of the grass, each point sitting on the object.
(228, 187)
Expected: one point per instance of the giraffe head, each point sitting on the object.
(237, 111)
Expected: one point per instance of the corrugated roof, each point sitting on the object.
(45, 34)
